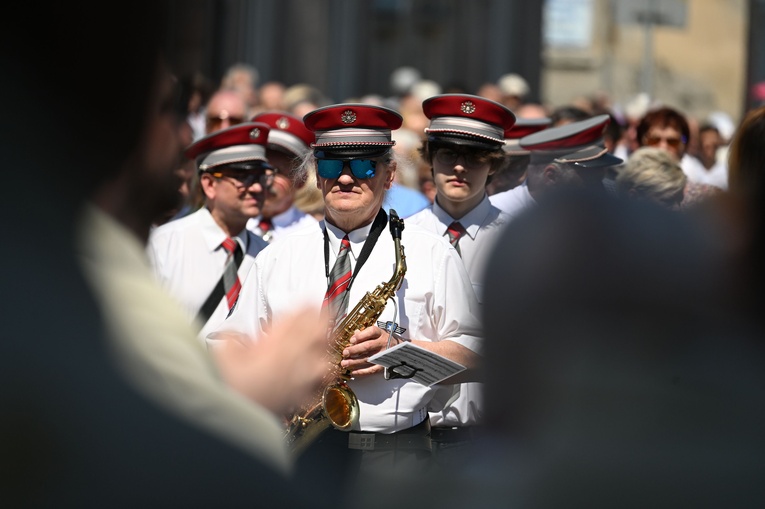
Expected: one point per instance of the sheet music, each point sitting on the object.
(408, 360)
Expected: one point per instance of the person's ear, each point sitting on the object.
(207, 182)
(550, 175)
(391, 174)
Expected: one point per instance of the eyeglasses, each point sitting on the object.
(332, 168)
(224, 115)
(653, 141)
(244, 179)
(449, 157)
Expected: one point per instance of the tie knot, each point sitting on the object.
(456, 229)
(229, 245)
(265, 224)
(345, 243)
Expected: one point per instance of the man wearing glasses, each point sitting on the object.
(464, 148)
(202, 259)
(226, 108)
(434, 307)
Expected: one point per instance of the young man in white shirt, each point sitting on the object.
(464, 148)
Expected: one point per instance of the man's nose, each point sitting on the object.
(345, 174)
(460, 163)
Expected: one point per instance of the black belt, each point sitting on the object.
(443, 434)
(414, 438)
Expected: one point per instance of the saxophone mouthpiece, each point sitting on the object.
(396, 224)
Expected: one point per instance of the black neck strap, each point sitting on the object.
(374, 233)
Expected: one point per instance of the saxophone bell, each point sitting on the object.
(341, 406)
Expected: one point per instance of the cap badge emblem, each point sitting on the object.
(255, 133)
(348, 117)
(467, 107)
(283, 123)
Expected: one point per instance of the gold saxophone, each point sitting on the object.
(335, 403)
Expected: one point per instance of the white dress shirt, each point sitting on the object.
(434, 303)
(483, 224)
(463, 405)
(188, 260)
(513, 201)
(282, 224)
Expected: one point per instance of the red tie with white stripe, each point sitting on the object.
(231, 283)
(455, 231)
(336, 297)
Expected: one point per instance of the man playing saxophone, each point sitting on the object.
(346, 256)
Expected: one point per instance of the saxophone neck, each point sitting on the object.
(398, 275)
(396, 227)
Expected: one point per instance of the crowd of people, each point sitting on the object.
(228, 261)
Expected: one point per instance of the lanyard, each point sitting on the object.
(377, 227)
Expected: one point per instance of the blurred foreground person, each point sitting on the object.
(618, 371)
(646, 386)
(75, 431)
(150, 331)
(745, 201)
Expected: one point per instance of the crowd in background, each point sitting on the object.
(697, 146)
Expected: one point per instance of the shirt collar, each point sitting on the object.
(471, 221)
(213, 235)
(284, 219)
(356, 237)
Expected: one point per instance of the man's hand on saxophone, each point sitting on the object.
(364, 344)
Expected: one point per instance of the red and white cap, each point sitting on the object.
(548, 144)
(468, 120)
(523, 127)
(288, 133)
(593, 156)
(352, 130)
(238, 144)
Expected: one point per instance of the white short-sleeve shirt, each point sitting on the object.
(513, 201)
(434, 303)
(188, 260)
(463, 406)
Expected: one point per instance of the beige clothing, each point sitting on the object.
(156, 347)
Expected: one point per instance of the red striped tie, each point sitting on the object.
(231, 283)
(336, 297)
(265, 225)
(455, 231)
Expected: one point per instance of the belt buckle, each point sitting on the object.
(361, 441)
